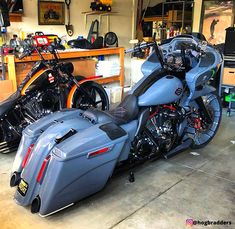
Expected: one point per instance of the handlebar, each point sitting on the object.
(140, 46)
(24, 54)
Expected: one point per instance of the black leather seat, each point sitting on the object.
(125, 112)
(7, 104)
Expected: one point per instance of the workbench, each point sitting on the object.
(16, 66)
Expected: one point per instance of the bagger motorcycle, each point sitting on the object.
(70, 155)
(49, 86)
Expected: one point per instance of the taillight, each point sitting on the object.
(42, 170)
(98, 152)
(26, 158)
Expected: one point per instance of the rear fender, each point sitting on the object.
(33, 131)
(74, 88)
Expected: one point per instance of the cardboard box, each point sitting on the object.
(6, 89)
(84, 67)
(229, 76)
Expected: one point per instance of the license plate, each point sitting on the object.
(23, 187)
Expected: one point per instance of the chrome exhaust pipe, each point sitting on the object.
(15, 179)
(35, 206)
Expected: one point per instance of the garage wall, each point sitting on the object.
(121, 24)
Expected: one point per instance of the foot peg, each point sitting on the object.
(131, 177)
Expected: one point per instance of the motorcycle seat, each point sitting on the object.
(125, 112)
(7, 104)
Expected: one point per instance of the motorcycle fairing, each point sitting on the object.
(200, 75)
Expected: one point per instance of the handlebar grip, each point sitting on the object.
(140, 46)
(129, 50)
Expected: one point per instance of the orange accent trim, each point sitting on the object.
(34, 77)
(69, 103)
(70, 96)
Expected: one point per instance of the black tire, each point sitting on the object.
(109, 8)
(204, 136)
(96, 92)
(100, 7)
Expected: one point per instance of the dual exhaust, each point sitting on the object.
(14, 181)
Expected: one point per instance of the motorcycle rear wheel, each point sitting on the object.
(208, 131)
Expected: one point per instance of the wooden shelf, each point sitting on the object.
(105, 80)
(16, 17)
(104, 13)
(14, 64)
(155, 18)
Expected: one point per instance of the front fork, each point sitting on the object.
(203, 111)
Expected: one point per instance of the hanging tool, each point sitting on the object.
(69, 27)
(94, 30)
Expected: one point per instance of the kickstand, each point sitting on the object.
(131, 177)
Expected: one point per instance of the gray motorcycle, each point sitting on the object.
(71, 154)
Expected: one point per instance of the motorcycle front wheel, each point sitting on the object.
(91, 94)
(205, 129)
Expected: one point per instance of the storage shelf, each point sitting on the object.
(105, 80)
(103, 13)
(15, 63)
(16, 17)
(155, 18)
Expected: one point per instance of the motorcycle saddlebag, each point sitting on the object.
(76, 168)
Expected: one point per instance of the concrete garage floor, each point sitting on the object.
(165, 194)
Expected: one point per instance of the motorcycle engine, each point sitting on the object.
(40, 103)
(162, 126)
(160, 133)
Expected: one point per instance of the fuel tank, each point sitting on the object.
(166, 90)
